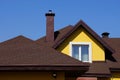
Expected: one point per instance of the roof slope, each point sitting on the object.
(17, 42)
(57, 34)
(21, 51)
(99, 69)
(115, 44)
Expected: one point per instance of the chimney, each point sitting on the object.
(50, 26)
(105, 35)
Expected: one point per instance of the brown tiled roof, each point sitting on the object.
(17, 42)
(21, 51)
(62, 32)
(58, 35)
(115, 44)
(99, 69)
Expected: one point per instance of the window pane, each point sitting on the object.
(75, 51)
(84, 53)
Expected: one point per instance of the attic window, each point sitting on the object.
(81, 51)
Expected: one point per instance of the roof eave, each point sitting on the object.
(114, 69)
(97, 75)
(44, 68)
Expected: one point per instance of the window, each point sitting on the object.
(81, 51)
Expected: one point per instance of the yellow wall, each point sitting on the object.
(30, 76)
(80, 35)
(115, 76)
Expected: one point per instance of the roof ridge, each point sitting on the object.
(64, 27)
(15, 39)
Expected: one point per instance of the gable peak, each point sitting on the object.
(82, 24)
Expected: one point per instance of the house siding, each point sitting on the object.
(81, 35)
(30, 76)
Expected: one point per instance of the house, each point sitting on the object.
(72, 53)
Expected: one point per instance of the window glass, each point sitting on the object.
(84, 53)
(81, 52)
(75, 51)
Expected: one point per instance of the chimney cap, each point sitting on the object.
(105, 35)
(50, 13)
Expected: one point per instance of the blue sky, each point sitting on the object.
(27, 17)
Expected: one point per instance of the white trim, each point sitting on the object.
(82, 43)
(79, 52)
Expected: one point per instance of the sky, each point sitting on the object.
(27, 17)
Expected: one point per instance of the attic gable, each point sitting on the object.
(83, 25)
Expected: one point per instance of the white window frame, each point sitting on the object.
(82, 43)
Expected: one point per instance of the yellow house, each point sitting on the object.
(72, 53)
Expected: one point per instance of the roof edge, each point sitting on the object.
(114, 69)
(43, 68)
(96, 75)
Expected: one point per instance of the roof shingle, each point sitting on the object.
(21, 51)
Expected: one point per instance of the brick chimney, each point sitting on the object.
(105, 35)
(50, 26)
